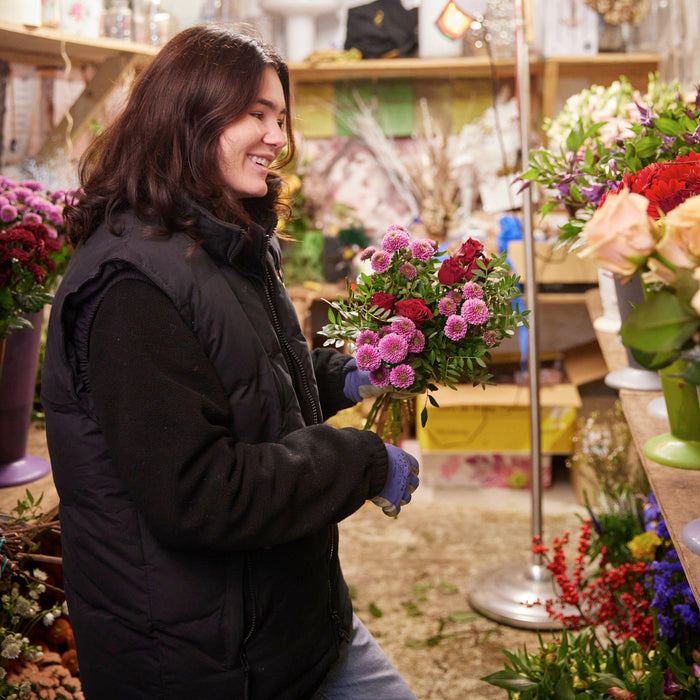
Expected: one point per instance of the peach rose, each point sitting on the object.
(620, 235)
(680, 243)
(695, 301)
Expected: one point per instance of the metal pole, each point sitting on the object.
(504, 592)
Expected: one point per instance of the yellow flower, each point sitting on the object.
(644, 546)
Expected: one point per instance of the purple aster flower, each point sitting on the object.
(393, 348)
(367, 358)
(490, 338)
(8, 213)
(422, 249)
(455, 327)
(402, 376)
(475, 311)
(403, 326)
(367, 337)
(417, 342)
(472, 290)
(367, 253)
(384, 330)
(380, 261)
(396, 237)
(5, 182)
(31, 218)
(32, 185)
(55, 215)
(646, 115)
(665, 625)
(408, 271)
(11, 195)
(3, 200)
(447, 306)
(379, 376)
(594, 193)
(688, 615)
(22, 193)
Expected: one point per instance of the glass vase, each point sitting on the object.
(681, 446)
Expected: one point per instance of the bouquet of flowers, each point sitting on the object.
(32, 249)
(422, 319)
(651, 224)
(606, 143)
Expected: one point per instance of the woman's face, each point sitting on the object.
(248, 145)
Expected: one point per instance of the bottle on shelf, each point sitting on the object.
(117, 20)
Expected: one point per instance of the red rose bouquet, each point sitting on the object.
(422, 319)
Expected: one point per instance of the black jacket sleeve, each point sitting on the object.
(166, 418)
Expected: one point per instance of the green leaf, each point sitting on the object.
(375, 611)
(509, 680)
(423, 417)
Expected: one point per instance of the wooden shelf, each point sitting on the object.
(677, 490)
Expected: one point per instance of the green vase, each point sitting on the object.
(680, 447)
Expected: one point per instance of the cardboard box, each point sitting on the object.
(459, 470)
(553, 266)
(497, 419)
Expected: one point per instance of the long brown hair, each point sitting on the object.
(163, 148)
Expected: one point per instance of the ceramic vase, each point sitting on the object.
(17, 387)
(681, 446)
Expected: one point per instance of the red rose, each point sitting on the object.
(383, 301)
(414, 309)
(451, 272)
(470, 249)
(474, 265)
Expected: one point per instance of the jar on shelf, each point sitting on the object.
(151, 23)
(117, 20)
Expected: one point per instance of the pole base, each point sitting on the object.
(633, 378)
(23, 470)
(673, 452)
(506, 593)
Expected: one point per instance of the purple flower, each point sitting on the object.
(22, 193)
(380, 261)
(447, 305)
(670, 686)
(393, 348)
(490, 338)
(403, 326)
(475, 311)
(422, 249)
(367, 358)
(417, 342)
(402, 376)
(472, 290)
(367, 253)
(456, 327)
(32, 185)
(408, 271)
(379, 376)
(367, 337)
(55, 215)
(696, 670)
(396, 237)
(8, 213)
(31, 218)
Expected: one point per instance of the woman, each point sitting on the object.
(199, 488)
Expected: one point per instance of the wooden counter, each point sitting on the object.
(677, 490)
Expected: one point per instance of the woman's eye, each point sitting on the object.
(257, 115)
(281, 123)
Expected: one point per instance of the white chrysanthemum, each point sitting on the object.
(39, 574)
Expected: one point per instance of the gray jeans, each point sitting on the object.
(363, 672)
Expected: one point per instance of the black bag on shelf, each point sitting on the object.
(382, 29)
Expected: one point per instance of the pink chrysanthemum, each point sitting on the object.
(395, 238)
(408, 271)
(31, 218)
(447, 306)
(402, 376)
(383, 331)
(393, 348)
(8, 213)
(417, 342)
(367, 253)
(380, 261)
(472, 290)
(422, 249)
(403, 326)
(367, 358)
(379, 376)
(367, 337)
(455, 327)
(490, 338)
(475, 311)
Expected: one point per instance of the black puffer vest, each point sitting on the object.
(152, 623)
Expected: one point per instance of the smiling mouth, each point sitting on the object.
(264, 162)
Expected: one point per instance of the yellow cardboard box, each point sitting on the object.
(497, 419)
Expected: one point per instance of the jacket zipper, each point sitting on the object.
(251, 629)
(335, 616)
(295, 363)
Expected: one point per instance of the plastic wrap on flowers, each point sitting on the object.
(422, 319)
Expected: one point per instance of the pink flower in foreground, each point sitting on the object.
(456, 327)
(422, 249)
(475, 311)
(379, 376)
(490, 338)
(380, 261)
(408, 271)
(393, 348)
(447, 305)
(8, 213)
(403, 326)
(396, 238)
(367, 358)
(416, 343)
(367, 253)
(472, 290)
(402, 376)
(31, 218)
(367, 337)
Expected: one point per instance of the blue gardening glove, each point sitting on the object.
(401, 481)
(357, 386)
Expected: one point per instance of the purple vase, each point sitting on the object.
(17, 386)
